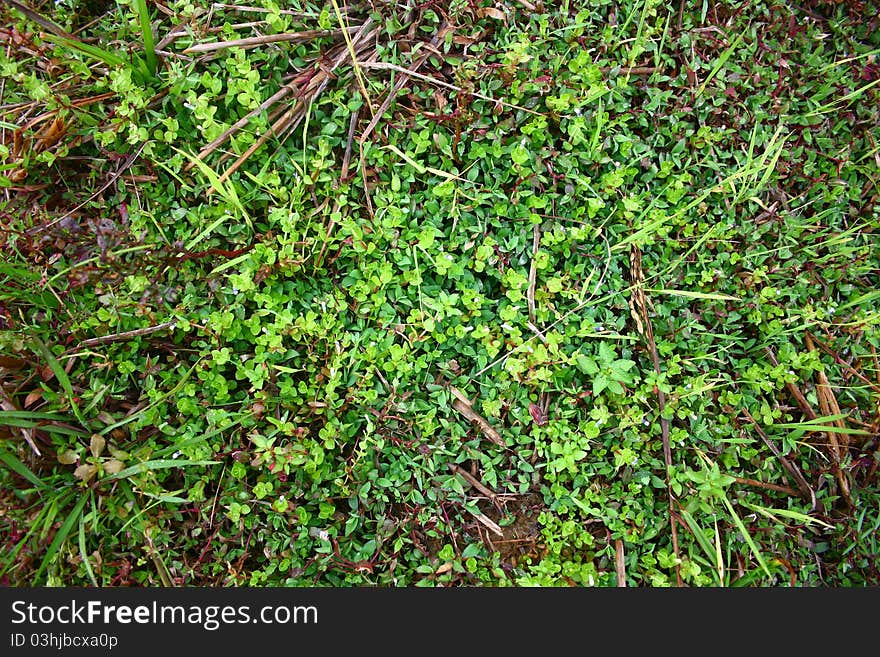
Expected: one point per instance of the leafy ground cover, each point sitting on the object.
(439, 293)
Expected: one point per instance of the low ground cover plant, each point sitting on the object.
(439, 293)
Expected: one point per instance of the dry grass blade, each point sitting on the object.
(842, 363)
(476, 483)
(126, 335)
(243, 121)
(528, 5)
(352, 52)
(620, 563)
(794, 390)
(402, 80)
(806, 492)
(292, 117)
(488, 523)
(43, 22)
(533, 272)
(307, 86)
(28, 434)
(258, 10)
(124, 166)
(253, 42)
(828, 406)
(441, 83)
(538, 333)
(631, 70)
(766, 486)
(287, 120)
(464, 406)
(346, 158)
(639, 312)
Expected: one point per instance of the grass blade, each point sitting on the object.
(746, 536)
(94, 52)
(157, 464)
(22, 470)
(224, 188)
(61, 535)
(61, 375)
(359, 74)
(720, 63)
(719, 555)
(147, 33)
(786, 513)
(82, 552)
(41, 425)
(695, 295)
(701, 539)
(844, 100)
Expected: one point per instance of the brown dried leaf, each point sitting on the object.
(462, 40)
(112, 466)
(488, 523)
(9, 363)
(464, 406)
(68, 457)
(51, 135)
(17, 144)
(439, 101)
(445, 568)
(96, 444)
(538, 414)
(106, 418)
(46, 373)
(18, 175)
(85, 472)
(491, 12)
(32, 397)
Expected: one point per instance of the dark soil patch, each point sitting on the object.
(522, 537)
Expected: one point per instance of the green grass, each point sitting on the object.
(426, 304)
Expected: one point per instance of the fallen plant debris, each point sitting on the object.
(447, 293)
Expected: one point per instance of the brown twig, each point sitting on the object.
(533, 272)
(346, 158)
(28, 434)
(631, 70)
(620, 563)
(806, 492)
(253, 42)
(763, 484)
(293, 116)
(125, 335)
(123, 167)
(874, 353)
(80, 102)
(464, 406)
(363, 167)
(828, 405)
(487, 522)
(476, 483)
(639, 312)
(839, 361)
(402, 80)
(794, 390)
(441, 83)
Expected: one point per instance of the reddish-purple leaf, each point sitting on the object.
(538, 414)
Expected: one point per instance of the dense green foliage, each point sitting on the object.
(322, 292)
